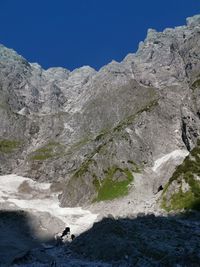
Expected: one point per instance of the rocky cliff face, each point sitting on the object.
(91, 133)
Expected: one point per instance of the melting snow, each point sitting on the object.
(44, 201)
(172, 155)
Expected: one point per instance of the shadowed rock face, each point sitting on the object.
(138, 241)
(142, 241)
(89, 130)
(17, 237)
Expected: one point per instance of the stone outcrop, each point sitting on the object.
(87, 131)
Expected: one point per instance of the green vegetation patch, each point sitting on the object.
(8, 146)
(84, 168)
(182, 200)
(78, 145)
(186, 172)
(102, 134)
(127, 121)
(134, 166)
(50, 150)
(108, 188)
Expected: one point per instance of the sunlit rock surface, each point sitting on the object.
(123, 142)
(87, 130)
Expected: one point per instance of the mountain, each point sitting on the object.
(107, 134)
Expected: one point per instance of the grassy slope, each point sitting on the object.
(187, 173)
(50, 150)
(8, 146)
(108, 188)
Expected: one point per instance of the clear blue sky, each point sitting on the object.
(72, 33)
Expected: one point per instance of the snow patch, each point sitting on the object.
(43, 200)
(172, 155)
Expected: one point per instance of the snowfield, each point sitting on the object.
(18, 193)
(41, 199)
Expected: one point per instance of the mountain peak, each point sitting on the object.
(193, 21)
(92, 129)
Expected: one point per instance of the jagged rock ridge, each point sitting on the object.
(87, 131)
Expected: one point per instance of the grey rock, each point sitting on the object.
(75, 128)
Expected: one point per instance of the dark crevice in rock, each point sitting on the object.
(160, 188)
(184, 136)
